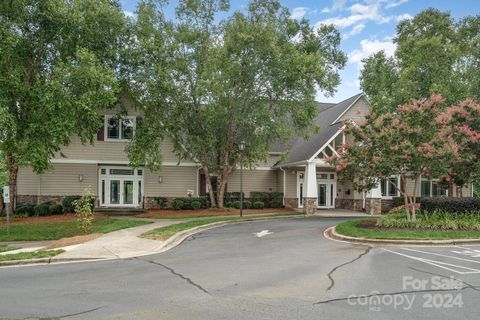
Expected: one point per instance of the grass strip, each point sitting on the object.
(30, 255)
(350, 228)
(4, 248)
(58, 230)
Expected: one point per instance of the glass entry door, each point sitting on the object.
(121, 187)
(322, 194)
(327, 190)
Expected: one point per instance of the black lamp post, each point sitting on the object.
(242, 148)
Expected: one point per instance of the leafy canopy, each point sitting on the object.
(57, 68)
(435, 54)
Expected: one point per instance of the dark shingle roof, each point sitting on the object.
(300, 149)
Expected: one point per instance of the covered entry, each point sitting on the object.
(326, 189)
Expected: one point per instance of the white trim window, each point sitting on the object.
(119, 128)
(388, 190)
(432, 188)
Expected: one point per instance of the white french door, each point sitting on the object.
(120, 187)
(326, 189)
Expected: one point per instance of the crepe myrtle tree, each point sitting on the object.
(209, 83)
(406, 143)
(57, 60)
(461, 122)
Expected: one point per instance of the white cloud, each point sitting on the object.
(337, 5)
(404, 16)
(359, 13)
(355, 30)
(369, 47)
(129, 14)
(353, 84)
(298, 13)
(393, 4)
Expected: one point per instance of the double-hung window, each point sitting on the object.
(119, 128)
(390, 186)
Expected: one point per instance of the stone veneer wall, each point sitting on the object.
(291, 202)
(309, 205)
(349, 204)
(373, 206)
(387, 205)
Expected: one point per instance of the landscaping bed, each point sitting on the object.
(182, 214)
(58, 230)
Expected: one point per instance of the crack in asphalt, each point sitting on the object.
(355, 297)
(56, 318)
(469, 285)
(329, 275)
(172, 271)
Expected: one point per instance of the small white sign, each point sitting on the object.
(6, 194)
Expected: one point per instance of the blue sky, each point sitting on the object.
(367, 26)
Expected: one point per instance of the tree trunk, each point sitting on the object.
(221, 190)
(414, 200)
(405, 195)
(208, 180)
(12, 182)
(2, 206)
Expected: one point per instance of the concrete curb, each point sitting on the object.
(45, 261)
(332, 234)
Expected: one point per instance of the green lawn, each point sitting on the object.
(58, 230)
(349, 228)
(30, 255)
(4, 247)
(164, 233)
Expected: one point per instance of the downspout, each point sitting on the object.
(284, 186)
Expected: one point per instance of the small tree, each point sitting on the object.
(84, 210)
(405, 143)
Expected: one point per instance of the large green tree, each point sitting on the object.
(57, 68)
(210, 83)
(435, 54)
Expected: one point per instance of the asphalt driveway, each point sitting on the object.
(277, 269)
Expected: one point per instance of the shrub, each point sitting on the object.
(451, 205)
(56, 208)
(247, 204)
(177, 204)
(67, 203)
(270, 199)
(42, 209)
(84, 210)
(258, 205)
(196, 204)
(236, 204)
(161, 201)
(24, 209)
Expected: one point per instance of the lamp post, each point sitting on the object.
(242, 148)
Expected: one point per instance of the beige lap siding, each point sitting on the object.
(254, 180)
(176, 181)
(62, 180)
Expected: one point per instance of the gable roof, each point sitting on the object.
(327, 119)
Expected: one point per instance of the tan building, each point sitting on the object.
(306, 180)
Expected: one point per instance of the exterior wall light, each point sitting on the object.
(80, 178)
(160, 179)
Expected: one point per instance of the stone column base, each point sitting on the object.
(373, 206)
(309, 205)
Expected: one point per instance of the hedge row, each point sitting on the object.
(450, 204)
(49, 207)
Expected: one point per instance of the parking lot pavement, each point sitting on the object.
(278, 269)
(457, 259)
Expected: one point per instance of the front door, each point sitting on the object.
(326, 186)
(121, 187)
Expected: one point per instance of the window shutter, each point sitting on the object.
(101, 131)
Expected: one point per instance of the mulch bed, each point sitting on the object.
(368, 224)
(46, 219)
(64, 242)
(208, 212)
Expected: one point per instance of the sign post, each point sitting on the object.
(6, 200)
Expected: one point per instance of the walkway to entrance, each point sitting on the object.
(342, 213)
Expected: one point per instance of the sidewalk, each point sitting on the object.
(118, 244)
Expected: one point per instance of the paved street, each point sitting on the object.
(277, 269)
